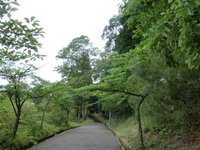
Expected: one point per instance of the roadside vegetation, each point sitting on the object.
(154, 140)
(30, 131)
(145, 84)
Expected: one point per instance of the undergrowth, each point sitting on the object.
(164, 139)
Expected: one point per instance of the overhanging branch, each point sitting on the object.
(120, 91)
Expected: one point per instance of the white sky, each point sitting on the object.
(64, 20)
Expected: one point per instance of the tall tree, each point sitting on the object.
(78, 60)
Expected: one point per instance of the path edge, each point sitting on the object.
(123, 143)
(31, 144)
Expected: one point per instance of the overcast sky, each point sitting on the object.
(64, 20)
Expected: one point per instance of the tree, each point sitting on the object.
(168, 31)
(62, 102)
(18, 46)
(16, 89)
(65, 105)
(119, 34)
(78, 58)
(45, 109)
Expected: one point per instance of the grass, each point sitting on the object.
(86, 122)
(127, 130)
(123, 129)
(82, 122)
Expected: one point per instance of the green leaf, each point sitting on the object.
(29, 52)
(170, 1)
(15, 3)
(32, 18)
(14, 9)
(27, 20)
(9, 15)
(35, 24)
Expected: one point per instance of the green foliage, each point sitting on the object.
(19, 40)
(158, 54)
(152, 47)
(6, 117)
(78, 60)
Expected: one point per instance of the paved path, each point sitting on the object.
(91, 137)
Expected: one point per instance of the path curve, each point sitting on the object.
(91, 137)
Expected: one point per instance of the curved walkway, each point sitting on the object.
(91, 137)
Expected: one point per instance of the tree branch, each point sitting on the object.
(41, 96)
(10, 98)
(121, 91)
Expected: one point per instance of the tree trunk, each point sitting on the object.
(61, 117)
(67, 117)
(98, 108)
(83, 113)
(110, 116)
(78, 115)
(16, 125)
(43, 115)
(138, 118)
